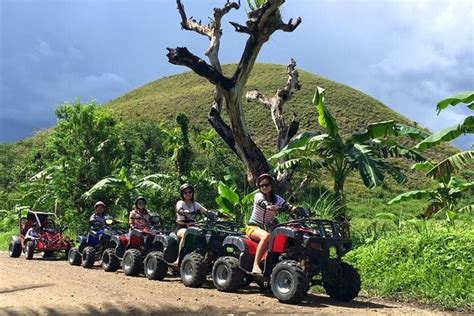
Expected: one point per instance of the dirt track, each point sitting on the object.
(55, 287)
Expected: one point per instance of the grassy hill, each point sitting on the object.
(161, 99)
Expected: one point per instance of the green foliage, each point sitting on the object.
(466, 97)
(236, 207)
(450, 133)
(325, 207)
(446, 197)
(363, 151)
(431, 265)
(255, 4)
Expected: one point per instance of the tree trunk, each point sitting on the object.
(262, 23)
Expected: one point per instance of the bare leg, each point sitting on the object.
(262, 237)
(180, 234)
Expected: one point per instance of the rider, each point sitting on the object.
(265, 206)
(99, 215)
(186, 211)
(140, 217)
(34, 231)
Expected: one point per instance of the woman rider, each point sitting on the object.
(140, 217)
(265, 206)
(186, 211)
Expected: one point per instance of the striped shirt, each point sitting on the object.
(260, 215)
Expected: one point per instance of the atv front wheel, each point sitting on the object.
(88, 257)
(227, 275)
(110, 262)
(193, 270)
(341, 281)
(289, 282)
(74, 257)
(14, 249)
(155, 267)
(29, 249)
(132, 263)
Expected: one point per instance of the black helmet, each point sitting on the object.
(140, 198)
(266, 176)
(99, 203)
(184, 187)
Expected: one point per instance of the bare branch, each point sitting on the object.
(191, 24)
(240, 28)
(290, 26)
(256, 96)
(182, 56)
(276, 103)
(219, 13)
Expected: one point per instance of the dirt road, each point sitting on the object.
(55, 287)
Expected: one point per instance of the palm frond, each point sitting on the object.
(448, 134)
(463, 97)
(411, 195)
(452, 164)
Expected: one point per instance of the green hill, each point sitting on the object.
(161, 99)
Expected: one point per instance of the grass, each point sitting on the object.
(5, 238)
(434, 265)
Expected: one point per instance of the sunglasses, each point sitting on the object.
(264, 185)
(187, 192)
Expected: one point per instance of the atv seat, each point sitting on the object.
(251, 245)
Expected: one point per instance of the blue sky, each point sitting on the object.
(407, 54)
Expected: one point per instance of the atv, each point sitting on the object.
(92, 245)
(201, 247)
(130, 249)
(48, 240)
(301, 253)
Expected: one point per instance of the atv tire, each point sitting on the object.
(14, 249)
(29, 249)
(132, 263)
(110, 262)
(193, 270)
(289, 283)
(341, 281)
(88, 257)
(155, 267)
(74, 257)
(227, 275)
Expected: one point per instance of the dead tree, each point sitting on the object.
(261, 24)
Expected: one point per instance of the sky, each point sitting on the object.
(407, 54)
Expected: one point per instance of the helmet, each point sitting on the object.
(140, 198)
(184, 187)
(266, 176)
(154, 218)
(99, 203)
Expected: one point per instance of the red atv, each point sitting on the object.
(300, 253)
(38, 233)
(131, 249)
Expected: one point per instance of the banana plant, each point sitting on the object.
(364, 151)
(453, 132)
(126, 186)
(446, 197)
(235, 206)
